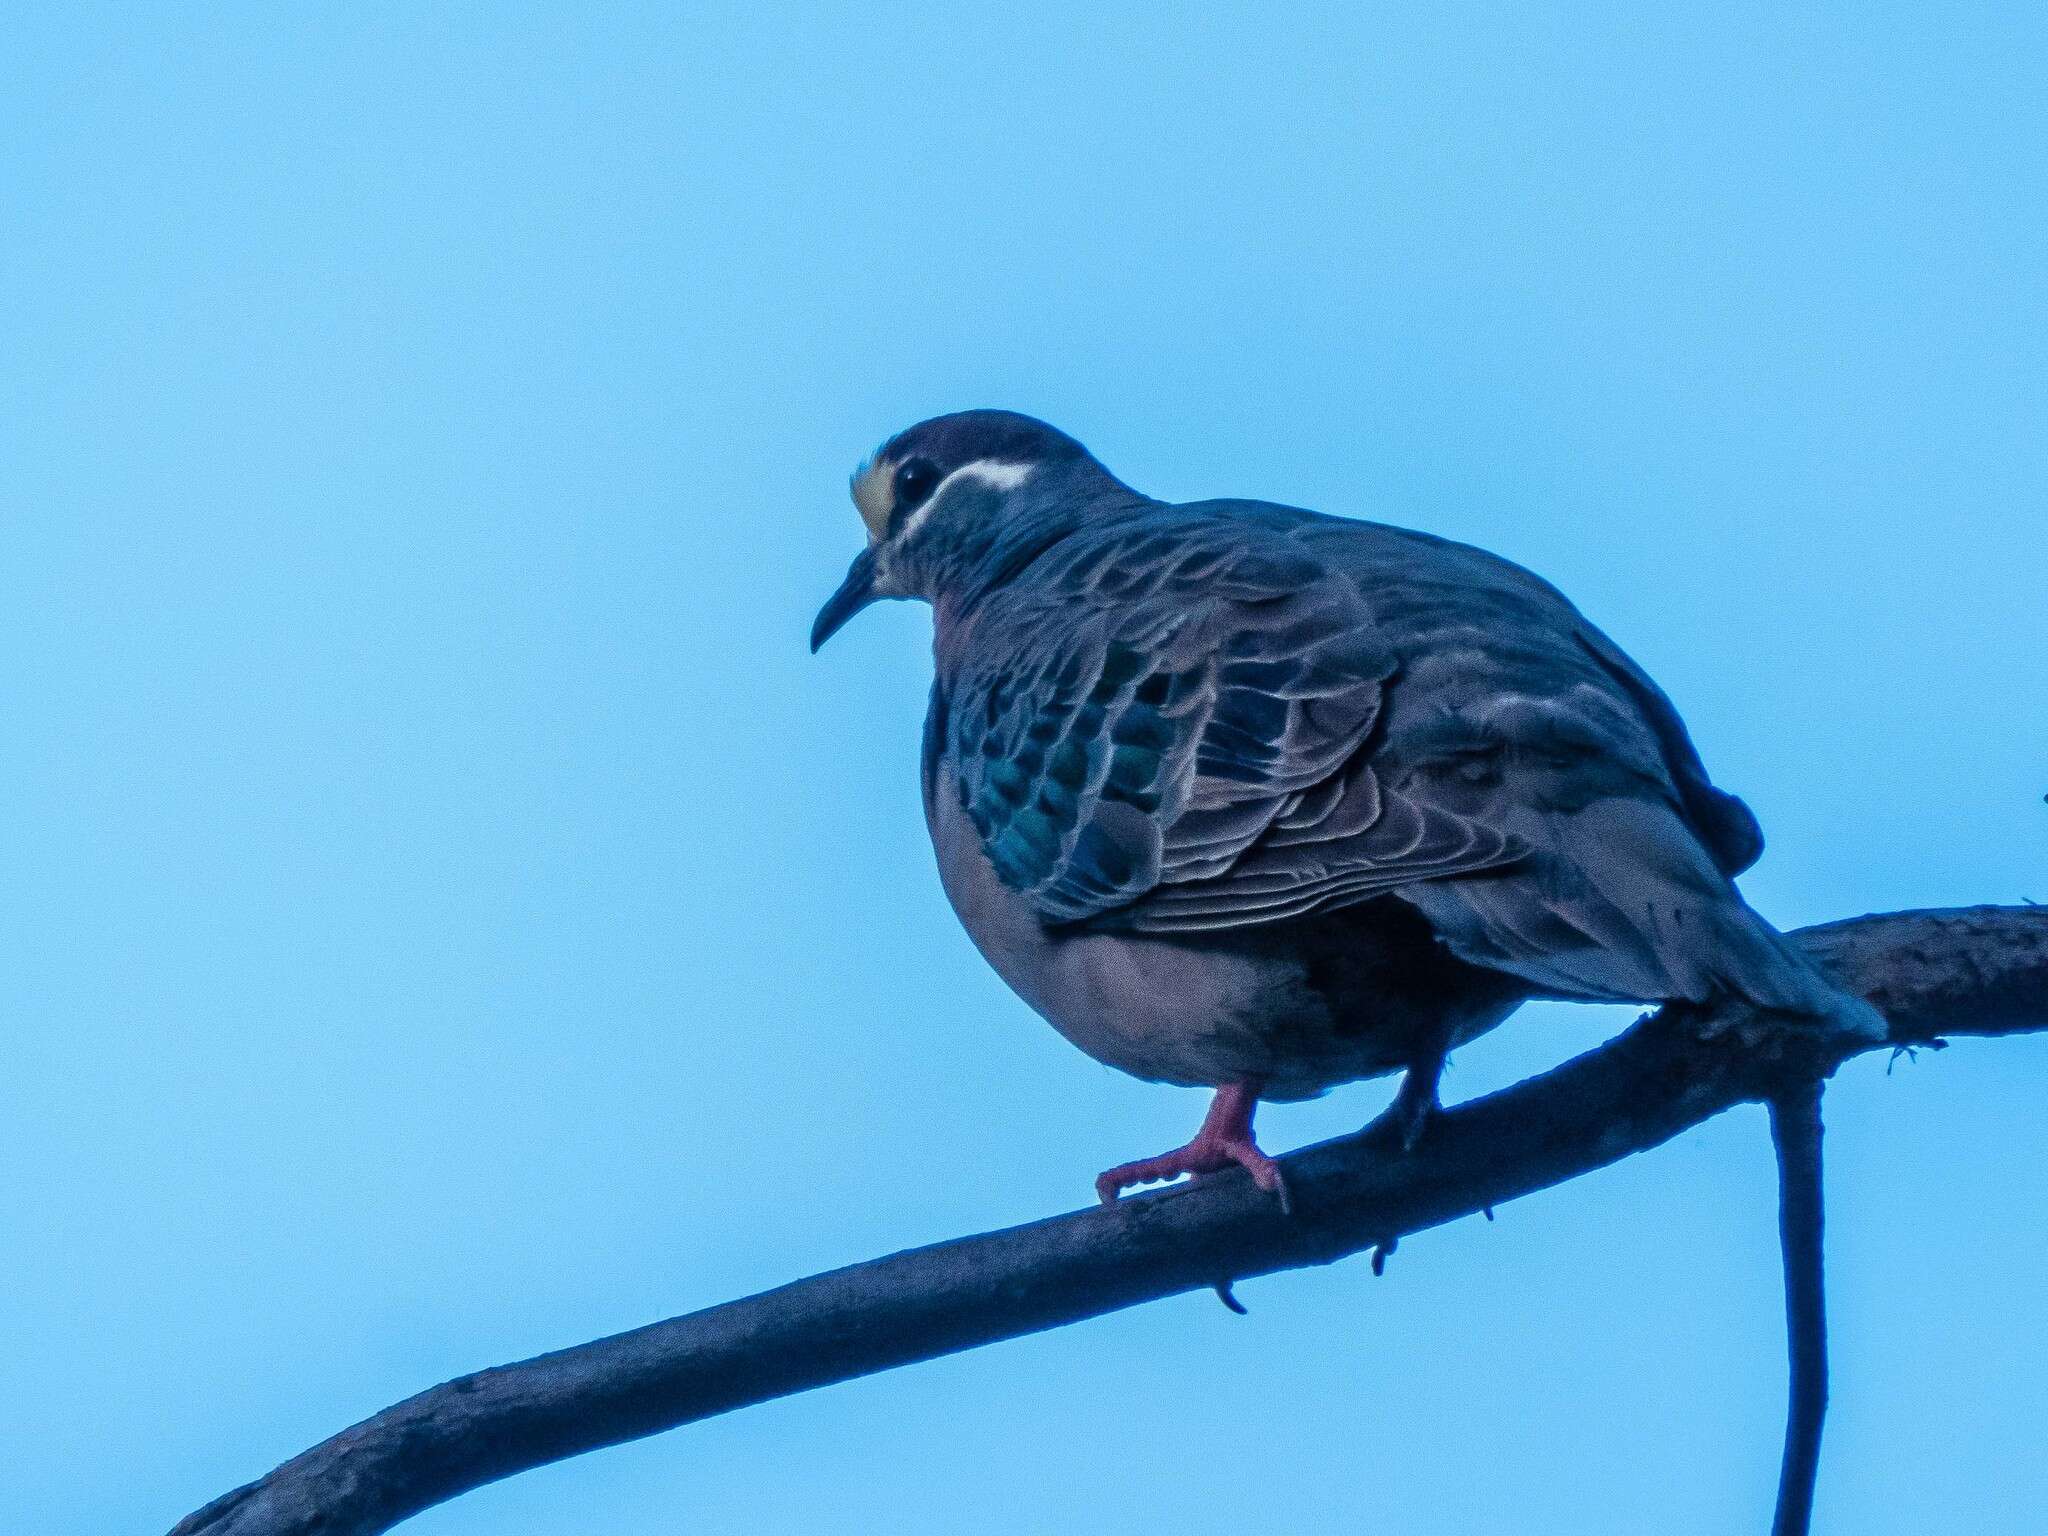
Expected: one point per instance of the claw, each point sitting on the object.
(1265, 1173)
(1224, 1141)
(1415, 1102)
(1413, 1119)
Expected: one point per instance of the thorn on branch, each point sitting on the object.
(1486, 1211)
(1229, 1299)
(1381, 1254)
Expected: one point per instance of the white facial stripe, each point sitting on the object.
(994, 473)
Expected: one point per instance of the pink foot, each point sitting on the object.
(1224, 1141)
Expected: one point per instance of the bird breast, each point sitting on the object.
(1278, 1007)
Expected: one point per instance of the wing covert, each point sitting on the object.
(1175, 734)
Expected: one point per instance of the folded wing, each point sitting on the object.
(1176, 734)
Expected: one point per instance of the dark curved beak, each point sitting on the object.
(854, 594)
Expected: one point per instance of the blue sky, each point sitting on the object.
(449, 916)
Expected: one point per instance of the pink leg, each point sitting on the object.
(1224, 1140)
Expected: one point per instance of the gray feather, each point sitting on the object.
(1171, 744)
(1238, 794)
(1231, 714)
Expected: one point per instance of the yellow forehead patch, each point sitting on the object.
(875, 496)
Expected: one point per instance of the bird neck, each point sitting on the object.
(960, 561)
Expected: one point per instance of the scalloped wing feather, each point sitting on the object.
(1173, 735)
(1194, 723)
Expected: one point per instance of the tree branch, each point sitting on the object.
(1968, 971)
(1796, 1136)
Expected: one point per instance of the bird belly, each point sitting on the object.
(1297, 1007)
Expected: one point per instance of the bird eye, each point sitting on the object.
(915, 480)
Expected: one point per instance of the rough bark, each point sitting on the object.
(1969, 971)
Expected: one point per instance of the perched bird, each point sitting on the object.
(1248, 797)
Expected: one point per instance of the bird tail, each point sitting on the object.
(1759, 965)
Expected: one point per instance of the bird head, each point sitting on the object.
(940, 498)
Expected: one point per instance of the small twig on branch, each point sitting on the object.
(1971, 971)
